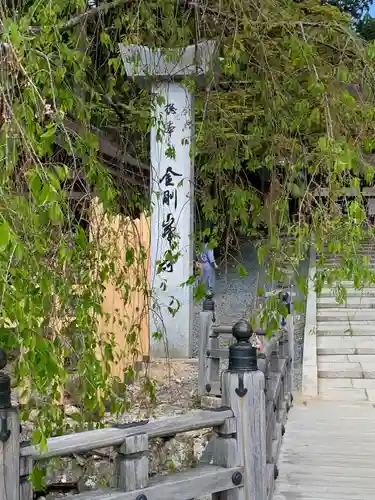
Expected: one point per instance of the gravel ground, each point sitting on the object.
(234, 297)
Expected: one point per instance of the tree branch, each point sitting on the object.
(84, 16)
(104, 7)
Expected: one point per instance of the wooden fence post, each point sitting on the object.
(205, 320)
(226, 454)
(26, 468)
(132, 463)
(290, 334)
(243, 392)
(9, 439)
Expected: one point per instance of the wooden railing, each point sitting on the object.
(211, 354)
(244, 449)
(275, 365)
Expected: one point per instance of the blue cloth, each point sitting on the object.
(207, 256)
(208, 275)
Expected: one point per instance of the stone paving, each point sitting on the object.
(345, 342)
(234, 299)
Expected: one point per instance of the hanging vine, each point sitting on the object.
(287, 109)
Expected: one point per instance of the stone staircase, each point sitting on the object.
(346, 341)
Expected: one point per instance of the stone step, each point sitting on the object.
(366, 359)
(346, 370)
(334, 265)
(349, 284)
(347, 383)
(336, 345)
(330, 257)
(350, 292)
(340, 370)
(353, 314)
(345, 394)
(351, 303)
(365, 259)
(345, 328)
(366, 252)
(364, 248)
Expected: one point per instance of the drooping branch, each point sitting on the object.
(84, 16)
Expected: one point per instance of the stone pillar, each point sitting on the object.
(172, 189)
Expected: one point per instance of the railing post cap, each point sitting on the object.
(3, 359)
(242, 331)
(242, 355)
(208, 303)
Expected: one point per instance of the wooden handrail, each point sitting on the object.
(113, 436)
(243, 451)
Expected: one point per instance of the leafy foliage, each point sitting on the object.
(366, 28)
(355, 8)
(291, 110)
(54, 267)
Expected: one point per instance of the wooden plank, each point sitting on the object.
(218, 353)
(112, 436)
(274, 358)
(222, 329)
(263, 366)
(205, 321)
(213, 372)
(206, 457)
(288, 352)
(276, 444)
(283, 414)
(281, 399)
(197, 482)
(225, 454)
(273, 387)
(271, 423)
(270, 480)
(26, 468)
(244, 393)
(106, 146)
(132, 463)
(324, 192)
(328, 452)
(136, 177)
(10, 455)
(269, 345)
(215, 388)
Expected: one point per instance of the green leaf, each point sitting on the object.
(50, 132)
(38, 478)
(295, 191)
(35, 184)
(241, 270)
(47, 194)
(77, 417)
(298, 305)
(157, 336)
(129, 256)
(4, 235)
(105, 39)
(62, 172)
(55, 213)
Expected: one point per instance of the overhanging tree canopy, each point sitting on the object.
(291, 109)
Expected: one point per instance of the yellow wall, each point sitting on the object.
(125, 318)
